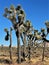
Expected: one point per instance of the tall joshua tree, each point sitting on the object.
(25, 29)
(14, 15)
(28, 30)
(28, 33)
(27, 26)
(43, 36)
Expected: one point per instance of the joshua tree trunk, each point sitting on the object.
(10, 44)
(18, 44)
(29, 52)
(24, 45)
(43, 51)
(24, 48)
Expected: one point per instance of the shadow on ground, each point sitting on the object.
(7, 61)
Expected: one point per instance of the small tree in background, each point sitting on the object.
(9, 35)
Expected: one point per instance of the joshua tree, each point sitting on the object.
(29, 36)
(7, 38)
(43, 37)
(25, 29)
(16, 14)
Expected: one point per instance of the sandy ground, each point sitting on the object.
(36, 58)
(33, 61)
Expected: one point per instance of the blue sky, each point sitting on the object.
(37, 11)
